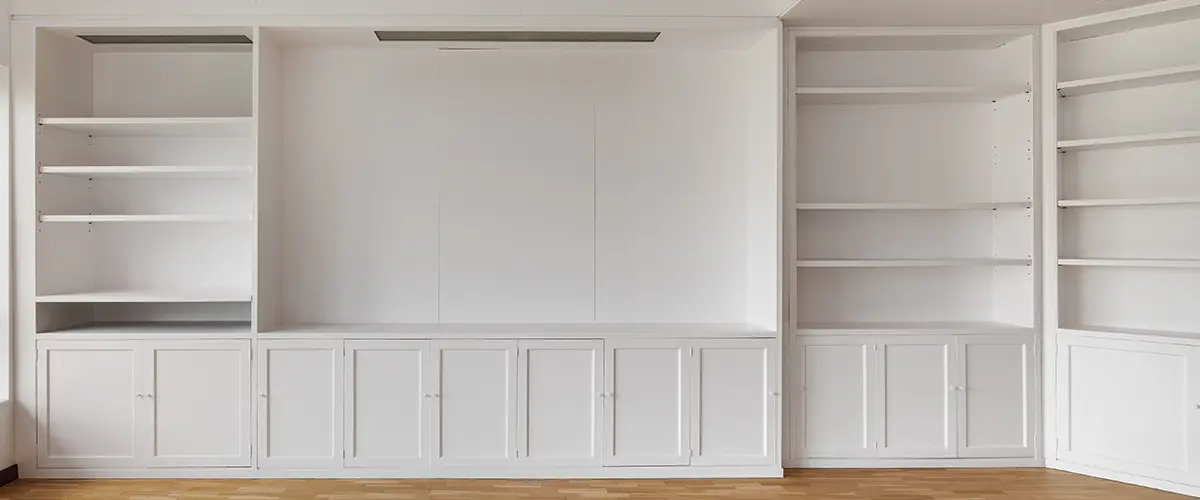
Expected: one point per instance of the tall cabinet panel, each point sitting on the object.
(995, 388)
(201, 403)
(734, 402)
(831, 391)
(647, 413)
(300, 404)
(560, 402)
(388, 392)
(916, 397)
(474, 402)
(90, 403)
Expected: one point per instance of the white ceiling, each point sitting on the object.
(946, 12)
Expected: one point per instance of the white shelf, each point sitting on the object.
(206, 329)
(148, 171)
(1132, 333)
(511, 330)
(1178, 74)
(169, 126)
(146, 218)
(905, 95)
(915, 205)
(1130, 141)
(913, 327)
(983, 262)
(145, 296)
(1125, 202)
(907, 39)
(1162, 263)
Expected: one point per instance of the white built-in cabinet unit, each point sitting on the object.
(912, 242)
(1123, 143)
(304, 251)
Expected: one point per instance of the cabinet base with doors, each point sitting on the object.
(911, 400)
(408, 407)
(1128, 407)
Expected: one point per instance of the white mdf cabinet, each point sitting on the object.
(831, 388)
(300, 404)
(133, 403)
(474, 402)
(647, 412)
(1130, 406)
(560, 403)
(995, 403)
(691, 402)
(388, 390)
(734, 403)
(200, 400)
(88, 399)
(912, 396)
(916, 397)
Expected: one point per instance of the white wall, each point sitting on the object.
(516, 186)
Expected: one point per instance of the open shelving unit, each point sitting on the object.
(913, 181)
(145, 185)
(1128, 186)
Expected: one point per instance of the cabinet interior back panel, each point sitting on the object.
(1168, 108)
(1159, 171)
(1139, 232)
(1005, 65)
(1149, 299)
(363, 137)
(522, 186)
(1144, 49)
(895, 153)
(172, 84)
(516, 186)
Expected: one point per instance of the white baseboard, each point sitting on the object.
(909, 463)
(432, 473)
(1121, 477)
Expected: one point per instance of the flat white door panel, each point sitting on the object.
(995, 414)
(300, 404)
(647, 408)
(559, 419)
(88, 404)
(831, 399)
(387, 422)
(474, 421)
(916, 397)
(733, 403)
(200, 400)
(516, 178)
(1127, 406)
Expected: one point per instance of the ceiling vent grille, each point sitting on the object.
(520, 36)
(167, 39)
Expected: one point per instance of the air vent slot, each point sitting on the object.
(167, 39)
(520, 36)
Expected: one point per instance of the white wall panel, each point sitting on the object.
(515, 185)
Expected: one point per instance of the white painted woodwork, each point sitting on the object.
(200, 400)
(916, 397)
(387, 402)
(734, 402)
(1129, 406)
(560, 403)
(996, 396)
(300, 404)
(832, 389)
(91, 398)
(647, 412)
(145, 403)
(474, 397)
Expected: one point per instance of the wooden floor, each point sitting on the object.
(961, 484)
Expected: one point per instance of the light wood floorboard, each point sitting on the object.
(923, 484)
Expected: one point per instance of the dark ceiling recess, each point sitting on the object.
(167, 39)
(519, 36)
